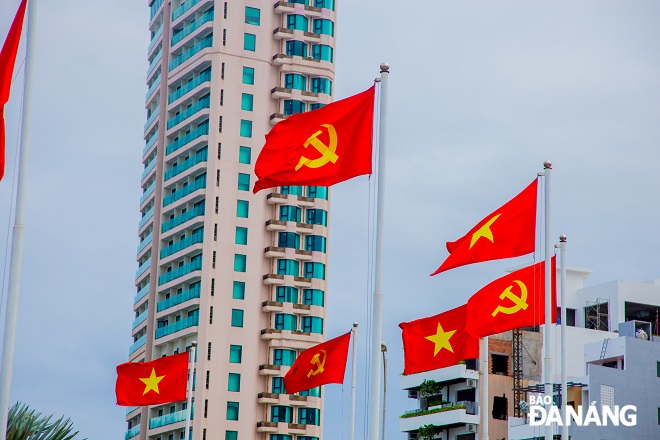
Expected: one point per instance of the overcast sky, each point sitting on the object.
(481, 93)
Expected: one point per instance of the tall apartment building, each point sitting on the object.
(241, 274)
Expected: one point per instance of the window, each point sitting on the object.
(247, 102)
(309, 416)
(297, 22)
(252, 16)
(296, 48)
(240, 262)
(295, 81)
(243, 182)
(500, 409)
(239, 290)
(292, 106)
(284, 321)
(321, 85)
(317, 192)
(312, 324)
(313, 297)
(234, 383)
(231, 435)
(241, 235)
(232, 410)
(317, 217)
(248, 75)
(246, 128)
(284, 357)
(499, 364)
(290, 213)
(293, 190)
(328, 4)
(208, 352)
(235, 354)
(242, 208)
(208, 379)
(315, 106)
(277, 385)
(279, 413)
(314, 392)
(315, 243)
(224, 37)
(236, 318)
(288, 267)
(324, 26)
(287, 294)
(280, 437)
(250, 42)
(315, 270)
(288, 240)
(245, 154)
(322, 52)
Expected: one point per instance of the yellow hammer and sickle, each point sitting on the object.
(519, 302)
(320, 364)
(327, 151)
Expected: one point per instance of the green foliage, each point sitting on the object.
(427, 432)
(430, 388)
(433, 410)
(27, 424)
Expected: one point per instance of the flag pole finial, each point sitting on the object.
(355, 324)
(547, 165)
(562, 238)
(384, 67)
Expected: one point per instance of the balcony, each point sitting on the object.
(152, 88)
(303, 255)
(445, 376)
(277, 117)
(142, 268)
(276, 198)
(281, 33)
(275, 225)
(196, 237)
(271, 333)
(185, 191)
(268, 398)
(178, 12)
(309, 96)
(201, 130)
(150, 143)
(147, 192)
(140, 319)
(274, 252)
(296, 428)
(150, 166)
(312, 37)
(273, 279)
(194, 265)
(133, 432)
(130, 409)
(203, 77)
(168, 419)
(192, 27)
(450, 414)
(149, 214)
(156, 36)
(302, 282)
(272, 306)
(295, 400)
(137, 344)
(143, 244)
(200, 105)
(141, 293)
(302, 309)
(304, 228)
(284, 8)
(183, 324)
(282, 59)
(190, 52)
(280, 92)
(312, 11)
(269, 370)
(178, 299)
(155, 62)
(266, 426)
(154, 8)
(152, 118)
(181, 219)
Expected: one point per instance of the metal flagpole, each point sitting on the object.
(547, 356)
(191, 376)
(483, 387)
(377, 307)
(564, 383)
(11, 315)
(351, 433)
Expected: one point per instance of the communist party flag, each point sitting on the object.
(150, 383)
(7, 61)
(513, 301)
(437, 342)
(324, 363)
(321, 147)
(505, 233)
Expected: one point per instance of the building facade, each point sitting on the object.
(243, 275)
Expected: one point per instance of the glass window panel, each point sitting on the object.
(237, 318)
(238, 290)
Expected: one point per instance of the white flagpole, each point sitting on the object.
(11, 315)
(351, 434)
(377, 306)
(483, 387)
(564, 382)
(547, 356)
(191, 376)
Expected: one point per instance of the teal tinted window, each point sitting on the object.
(235, 354)
(313, 297)
(293, 190)
(315, 243)
(243, 182)
(279, 413)
(309, 416)
(280, 437)
(312, 324)
(248, 75)
(322, 52)
(241, 235)
(240, 263)
(246, 128)
(317, 192)
(247, 101)
(232, 410)
(290, 213)
(237, 318)
(296, 48)
(295, 81)
(298, 22)
(277, 385)
(288, 267)
(328, 4)
(234, 383)
(286, 294)
(314, 392)
(293, 106)
(285, 321)
(288, 240)
(245, 155)
(284, 357)
(321, 85)
(242, 208)
(231, 435)
(316, 106)
(317, 217)
(324, 26)
(250, 42)
(238, 290)
(252, 16)
(315, 270)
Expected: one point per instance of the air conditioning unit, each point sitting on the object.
(472, 383)
(471, 428)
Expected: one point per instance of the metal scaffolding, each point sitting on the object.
(517, 367)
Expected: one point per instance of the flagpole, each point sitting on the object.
(191, 376)
(351, 434)
(483, 387)
(377, 305)
(564, 382)
(11, 315)
(547, 356)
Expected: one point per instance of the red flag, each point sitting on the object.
(321, 147)
(507, 232)
(7, 61)
(437, 342)
(151, 383)
(324, 363)
(513, 301)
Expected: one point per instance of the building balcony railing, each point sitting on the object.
(187, 190)
(152, 88)
(143, 244)
(156, 36)
(196, 237)
(137, 344)
(449, 414)
(140, 319)
(130, 409)
(150, 166)
(190, 321)
(155, 6)
(152, 117)
(141, 293)
(178, 12)
(201, 156)
(168, 419)
(191, 51)
(133, 432)
(155, 62)
(178, 299)
(181, 219)
(143, 221)
(203, 77)
(147, 192)
(150, 142)
(190, 111)
(143, 267)
(194, 265)
(192, 27)
(201, 130)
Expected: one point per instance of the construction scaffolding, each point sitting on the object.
(597, 314)
(517, 370)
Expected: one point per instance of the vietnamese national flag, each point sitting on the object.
(438, 341)
(321, 147)
(514, 301)
(319, 365)
(150, 383)
(7, 61)
(505, 233)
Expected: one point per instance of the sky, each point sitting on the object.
(480, 94)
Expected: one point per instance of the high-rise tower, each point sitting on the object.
(241, 274)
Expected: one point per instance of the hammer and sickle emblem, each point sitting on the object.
(519, 302)
(327, 151)
(320, 363)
